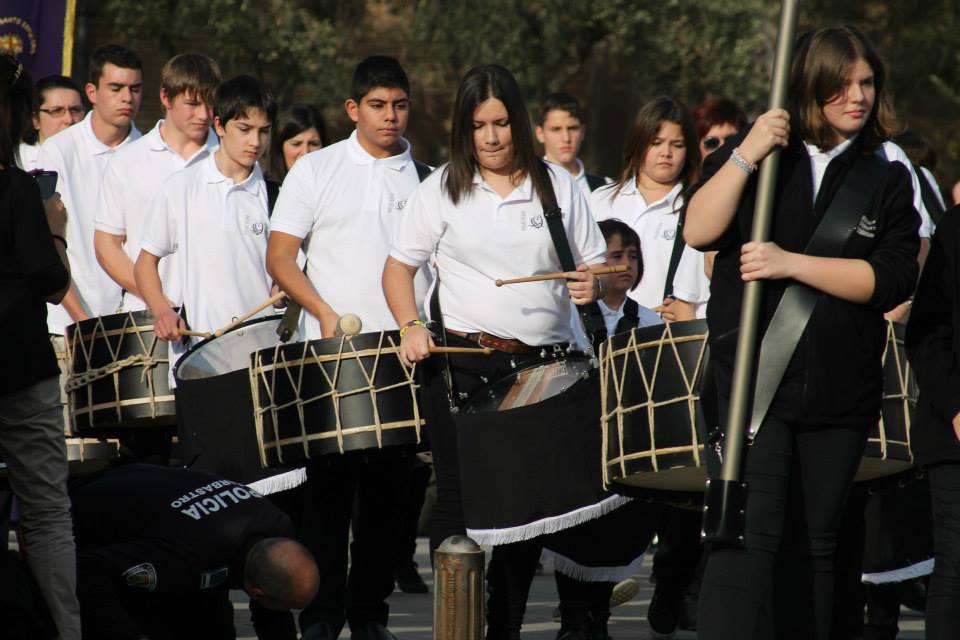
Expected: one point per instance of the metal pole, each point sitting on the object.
(458, 590)
(725, 499)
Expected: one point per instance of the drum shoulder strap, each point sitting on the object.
(590, 314)
(675, 254)
(796, 306)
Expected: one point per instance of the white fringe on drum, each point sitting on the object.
(552, 524)
(917, 570)
(572, 569)
(280, 482)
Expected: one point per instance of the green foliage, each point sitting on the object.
(615, 54)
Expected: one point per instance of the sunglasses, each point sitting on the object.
(713, 142)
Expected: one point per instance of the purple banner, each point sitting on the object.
(39, 33)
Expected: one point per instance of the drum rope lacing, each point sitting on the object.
(265, 374)
(145, 359)
(609, 376)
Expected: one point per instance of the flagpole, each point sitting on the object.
(725, 499)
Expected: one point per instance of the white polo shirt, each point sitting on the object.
(80, 160)
(656, 224)
(485, 237)
(346, 203)
(130, 183)
(27, 156)
(217, 232)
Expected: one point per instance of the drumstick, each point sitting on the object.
(196, 334)
(483, 351)
(598, 271)
(249, 314)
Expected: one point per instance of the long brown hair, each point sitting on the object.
(479, 85)
(820, 66)
(645, 128)
(16, 91)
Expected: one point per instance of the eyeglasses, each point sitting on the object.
(713, 142)
(56, 112)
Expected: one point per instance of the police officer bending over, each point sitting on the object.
(159, 549)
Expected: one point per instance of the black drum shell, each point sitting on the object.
(676, 438)
(215, 424)
(134, 382)
(282, 424)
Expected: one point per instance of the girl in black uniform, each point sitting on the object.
(806, 454)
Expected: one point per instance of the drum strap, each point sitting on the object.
(630, 318)
(796, 306)
(675, 255)
(590, 314)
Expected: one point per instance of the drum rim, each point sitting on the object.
(574, 355)
(381, 335)
(211, 338)
(71, 329)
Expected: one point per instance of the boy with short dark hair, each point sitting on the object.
(80, 155)
(561, 130)
(621, 313)
(131, 181)
(213, 216)
(341, 204)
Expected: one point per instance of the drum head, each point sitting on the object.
(530, 385)
(230, 352)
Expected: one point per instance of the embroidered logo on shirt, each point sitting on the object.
(867, 227)
(257, 228)
(669, 234)
(536, 222)
(401, 204)
(215, 578)
(141, 576)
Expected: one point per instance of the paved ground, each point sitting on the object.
(411, 615)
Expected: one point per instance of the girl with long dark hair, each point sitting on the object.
(806, 450)
(482, 217)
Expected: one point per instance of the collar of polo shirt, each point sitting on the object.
(523, 192)
(212, 175)
(157, 143)
(360, 156)
(630, 189)
(86, 126)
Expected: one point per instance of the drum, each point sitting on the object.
(85, 457)
(529, 451)
(888, 446)
(118, 375)
(333, 395)
(215, 424)
(652, 420)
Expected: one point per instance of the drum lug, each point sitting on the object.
(513, 362)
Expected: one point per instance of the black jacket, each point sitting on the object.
(933, 347)
(164, 533)
(835, 376)
(30, 270)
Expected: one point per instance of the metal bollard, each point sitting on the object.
(458, 590)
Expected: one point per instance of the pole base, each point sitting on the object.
(724, 512)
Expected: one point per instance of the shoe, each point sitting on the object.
(623, 592)
(321, 631)
(572, 634)
(663, 615)
(371, 631)
(409, 580)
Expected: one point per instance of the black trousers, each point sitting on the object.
(378, 479)
(812, 470)
(943, 595)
